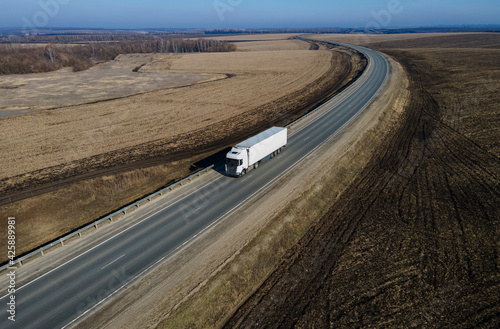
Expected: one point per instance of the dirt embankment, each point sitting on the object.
(413, 242)
(156, 147)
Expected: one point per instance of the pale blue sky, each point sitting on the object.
(245, 13)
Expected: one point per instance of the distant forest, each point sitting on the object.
(21, 58)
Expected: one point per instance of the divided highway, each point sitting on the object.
(63, 296)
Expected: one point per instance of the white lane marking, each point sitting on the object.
(111, 238)
(308, 138)
(102, 268)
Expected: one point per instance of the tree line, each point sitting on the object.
(22, 59)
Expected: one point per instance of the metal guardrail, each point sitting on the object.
(109, 217)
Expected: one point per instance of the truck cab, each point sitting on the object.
(249, 153)
(237, 162)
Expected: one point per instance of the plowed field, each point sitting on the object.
(413, 242)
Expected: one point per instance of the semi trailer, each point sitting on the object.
(247, 155)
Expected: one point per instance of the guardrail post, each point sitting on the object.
(137, 205)
(41, 252)
(96, 227)
(62, 243)
(79, 234)
(110, 219)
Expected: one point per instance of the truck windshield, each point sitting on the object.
(233, 162)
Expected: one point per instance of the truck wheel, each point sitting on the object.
(244, 172)
(256, 165)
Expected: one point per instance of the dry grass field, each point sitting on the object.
(65, 167)
(109, 80)
(256, 37)
(413, 242)
(277, 45)
(280, 42)
(63, 135)
(102, 127)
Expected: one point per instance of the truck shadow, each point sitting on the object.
(216, 159)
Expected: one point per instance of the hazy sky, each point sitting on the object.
(245, 13)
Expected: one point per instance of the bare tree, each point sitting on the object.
(51, 52)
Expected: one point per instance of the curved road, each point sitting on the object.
(63, 296)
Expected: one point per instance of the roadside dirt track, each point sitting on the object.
(413, 242)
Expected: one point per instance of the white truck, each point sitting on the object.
(249, 154)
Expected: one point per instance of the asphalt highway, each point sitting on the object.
(66, 294)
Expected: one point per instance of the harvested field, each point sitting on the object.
(256, 37)
(113, 79)
(279, 42)
(130, 146)
(278, 45)
(104, 127)
(413, 242)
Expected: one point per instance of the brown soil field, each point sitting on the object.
(54, 162)
(418, 40)
(413, 241)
